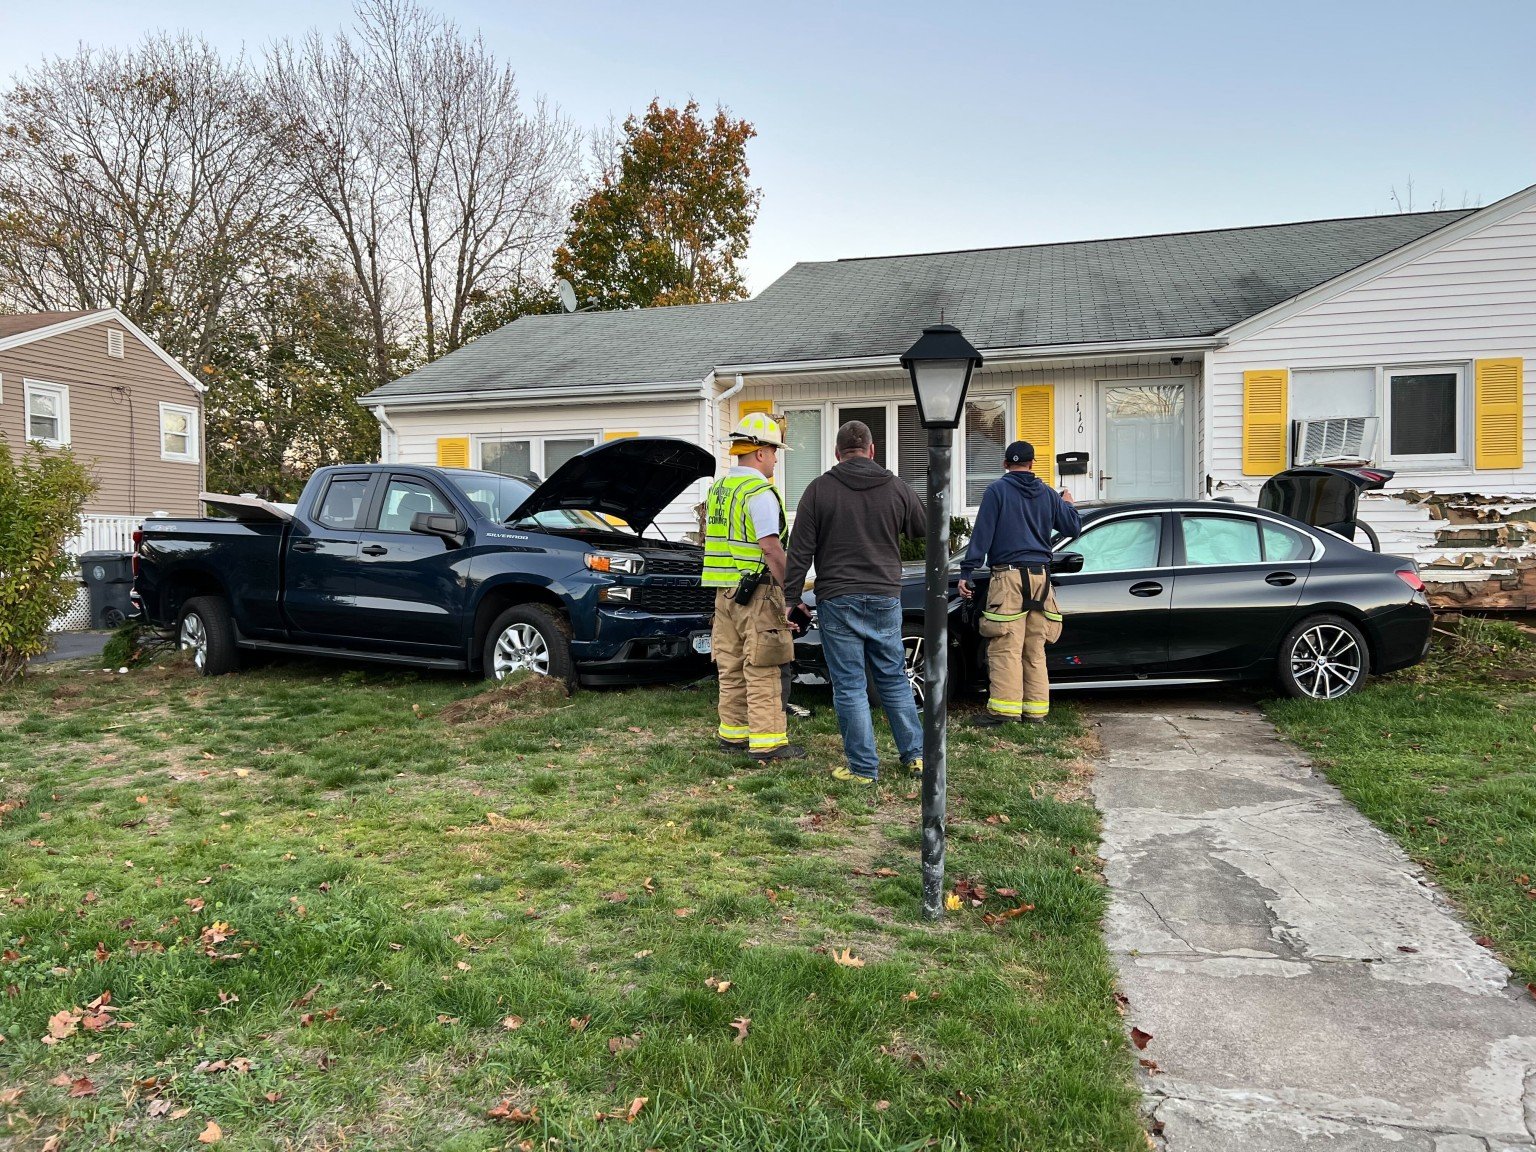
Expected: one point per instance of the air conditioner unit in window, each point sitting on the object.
(1338, 440)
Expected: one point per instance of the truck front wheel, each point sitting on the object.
(205, 629)
(529, 638)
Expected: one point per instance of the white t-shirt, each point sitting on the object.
(762, 507)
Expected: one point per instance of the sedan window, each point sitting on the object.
(1120, 545)
(1282, 545)
(1221, 540)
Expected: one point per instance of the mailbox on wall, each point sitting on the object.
(1071, 463)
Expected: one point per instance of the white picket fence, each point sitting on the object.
(97, 534)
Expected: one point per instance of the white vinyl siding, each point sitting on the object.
(1473, 298)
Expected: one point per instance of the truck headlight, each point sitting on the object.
(624, 562)
(616, 593)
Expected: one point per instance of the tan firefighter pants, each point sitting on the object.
(751, 644)
(1016, 641)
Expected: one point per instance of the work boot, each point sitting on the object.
(1031, 719)
(731, 747)
(782, 752)
(848, 776)
(989, 720)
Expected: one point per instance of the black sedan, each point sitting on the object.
(1187, 592)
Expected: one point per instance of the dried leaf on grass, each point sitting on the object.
(512, 1113)
(847, 959)
(211, 1134)
(741, 1024)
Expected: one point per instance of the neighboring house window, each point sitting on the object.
(178, 433)
(538, 455)
(1424, 414)
(114, 343)
(47, 413)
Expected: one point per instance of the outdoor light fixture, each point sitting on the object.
(941, 363)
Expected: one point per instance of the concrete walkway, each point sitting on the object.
(1304, 985)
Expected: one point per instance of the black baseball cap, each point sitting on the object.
(1020, 452)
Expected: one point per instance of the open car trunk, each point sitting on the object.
(1324, 497)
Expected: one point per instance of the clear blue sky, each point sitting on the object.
(908, 127)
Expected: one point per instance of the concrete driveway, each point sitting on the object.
(1304, 985)
(73, 646)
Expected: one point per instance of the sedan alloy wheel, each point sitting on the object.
(1326, 661)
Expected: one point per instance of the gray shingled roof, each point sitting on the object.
(28, 321)
(1174, 286)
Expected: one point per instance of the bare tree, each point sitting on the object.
(327, 128)
(484, 182)
(138, 179)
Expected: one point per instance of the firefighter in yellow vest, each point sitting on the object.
(744, 559)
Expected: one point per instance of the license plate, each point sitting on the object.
(701, 643)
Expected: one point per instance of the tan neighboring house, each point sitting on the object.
(94, 382)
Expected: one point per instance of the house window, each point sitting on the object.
(802, 463)
(525, 457)
(115, 343)
(912, 450)
(874, 416)
(178, 433)
(986, 435)
(1424, 414)
(47, 413)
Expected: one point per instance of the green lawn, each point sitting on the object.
(1443, 758)
(364, 909)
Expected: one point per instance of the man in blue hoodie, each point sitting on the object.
(1014, 526)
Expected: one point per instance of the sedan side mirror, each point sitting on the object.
(1066, 563)
(444, 525)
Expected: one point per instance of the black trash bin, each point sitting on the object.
(109, 578)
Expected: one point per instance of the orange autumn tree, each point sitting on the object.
(670, 216)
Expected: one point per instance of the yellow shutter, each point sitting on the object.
(453, 451)
(1035, 421)
(747, 407)
(620, 435)
(1499, 385)
(1264, 423)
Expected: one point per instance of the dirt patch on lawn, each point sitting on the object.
(516, 698)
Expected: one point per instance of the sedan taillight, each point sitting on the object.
(1411, 577)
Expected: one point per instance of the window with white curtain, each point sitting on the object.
(47, 412)
(986, 435)
(802, 463)
(178, 433)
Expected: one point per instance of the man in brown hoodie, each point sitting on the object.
(849, 523)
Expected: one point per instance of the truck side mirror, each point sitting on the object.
(1067, 563)
(444, 525)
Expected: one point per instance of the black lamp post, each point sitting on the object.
(941, 363)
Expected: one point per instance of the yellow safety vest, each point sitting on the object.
(731, 550)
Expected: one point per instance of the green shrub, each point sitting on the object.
(41, 495)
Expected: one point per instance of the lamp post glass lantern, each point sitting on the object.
(940, 363)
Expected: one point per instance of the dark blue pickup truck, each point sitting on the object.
(446, 568)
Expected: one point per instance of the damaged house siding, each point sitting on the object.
(1470, 300)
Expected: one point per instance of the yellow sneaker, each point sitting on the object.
(848, 776)
(914, 767)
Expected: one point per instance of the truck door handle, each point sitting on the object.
(375, 550)
(305, 546)
(1280, 579)
(1147, 588)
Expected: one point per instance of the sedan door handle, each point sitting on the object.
(375, 550)
(1147, 588)
(1280, 579)
(305, 546)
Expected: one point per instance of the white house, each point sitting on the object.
(1188, 364)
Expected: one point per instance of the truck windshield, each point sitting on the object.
(495, 497)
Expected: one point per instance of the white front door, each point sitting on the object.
(1145, 439)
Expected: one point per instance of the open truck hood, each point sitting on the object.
(632, 479)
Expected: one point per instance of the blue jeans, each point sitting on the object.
(855, 629)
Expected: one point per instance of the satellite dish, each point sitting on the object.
(566, 293)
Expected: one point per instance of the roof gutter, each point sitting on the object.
(521, 397)
(992, 355)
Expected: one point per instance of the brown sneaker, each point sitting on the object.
(782, 752)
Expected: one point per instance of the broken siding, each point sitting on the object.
(419, 433)
(114, 416)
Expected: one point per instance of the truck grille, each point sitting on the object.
(674, 566)
(677, 600)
